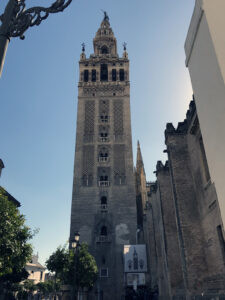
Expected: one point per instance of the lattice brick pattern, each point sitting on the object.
(118, 117)
(89, 118)
(88, 160)
(119, 160)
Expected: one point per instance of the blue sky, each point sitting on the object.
(38, 98)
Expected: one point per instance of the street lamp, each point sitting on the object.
(75, 245)
(16, 19)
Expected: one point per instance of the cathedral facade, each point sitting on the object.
(181, 219)
(104, 200)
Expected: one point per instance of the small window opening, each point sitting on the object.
(103, 156)
(113, 74)
(87, 180)
(104, 50)
(103, 178)
(93, 75)
(104, 200)
(121, 74)
(104, 134)
(104, 231)
(103, 273)
(86, 75)
(103, 260)
(104, 118)
(104, 72)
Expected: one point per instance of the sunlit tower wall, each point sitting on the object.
(205, 59)
(104, 200)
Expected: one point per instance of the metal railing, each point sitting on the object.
(104, 183)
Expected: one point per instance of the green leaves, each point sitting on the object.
(66, 265)
(47, 287)
(15, 250)
(59, 262)
(87, 270)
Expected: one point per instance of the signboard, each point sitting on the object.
(135, 258)
(135, 279)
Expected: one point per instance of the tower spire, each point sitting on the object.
(139, 161)
(105, 41)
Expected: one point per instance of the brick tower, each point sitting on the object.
(103, 201)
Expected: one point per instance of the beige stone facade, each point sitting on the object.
(36, 270)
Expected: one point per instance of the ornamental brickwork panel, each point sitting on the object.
(89, 119)
(118, 117)
(87, 165)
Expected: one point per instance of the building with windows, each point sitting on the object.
(104, 199)
(36, 270)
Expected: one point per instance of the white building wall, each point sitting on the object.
(205, 59)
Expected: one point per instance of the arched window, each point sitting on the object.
(104, 231)
(93, 75)
(103, 154)
(104, 204)
(113, 74)
(103, 200)
(104, 178)
(103, 133)
(86, 75)
(104, 72)
(104, 50)
(104, 118)
(87, 180)
(122, 75)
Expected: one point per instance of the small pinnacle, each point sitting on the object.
(83, 47)
(124, 46)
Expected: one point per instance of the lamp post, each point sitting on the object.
(75, 245)
(16, 19)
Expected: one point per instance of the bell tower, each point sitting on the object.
(104, 200)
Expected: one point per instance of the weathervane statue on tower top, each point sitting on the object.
(106, 17)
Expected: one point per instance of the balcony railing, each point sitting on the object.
(103, 158)
(103, 207)
(103, 139)
(103, 183)
(103, 239)
(104, 119)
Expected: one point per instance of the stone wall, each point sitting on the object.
(183, 221)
